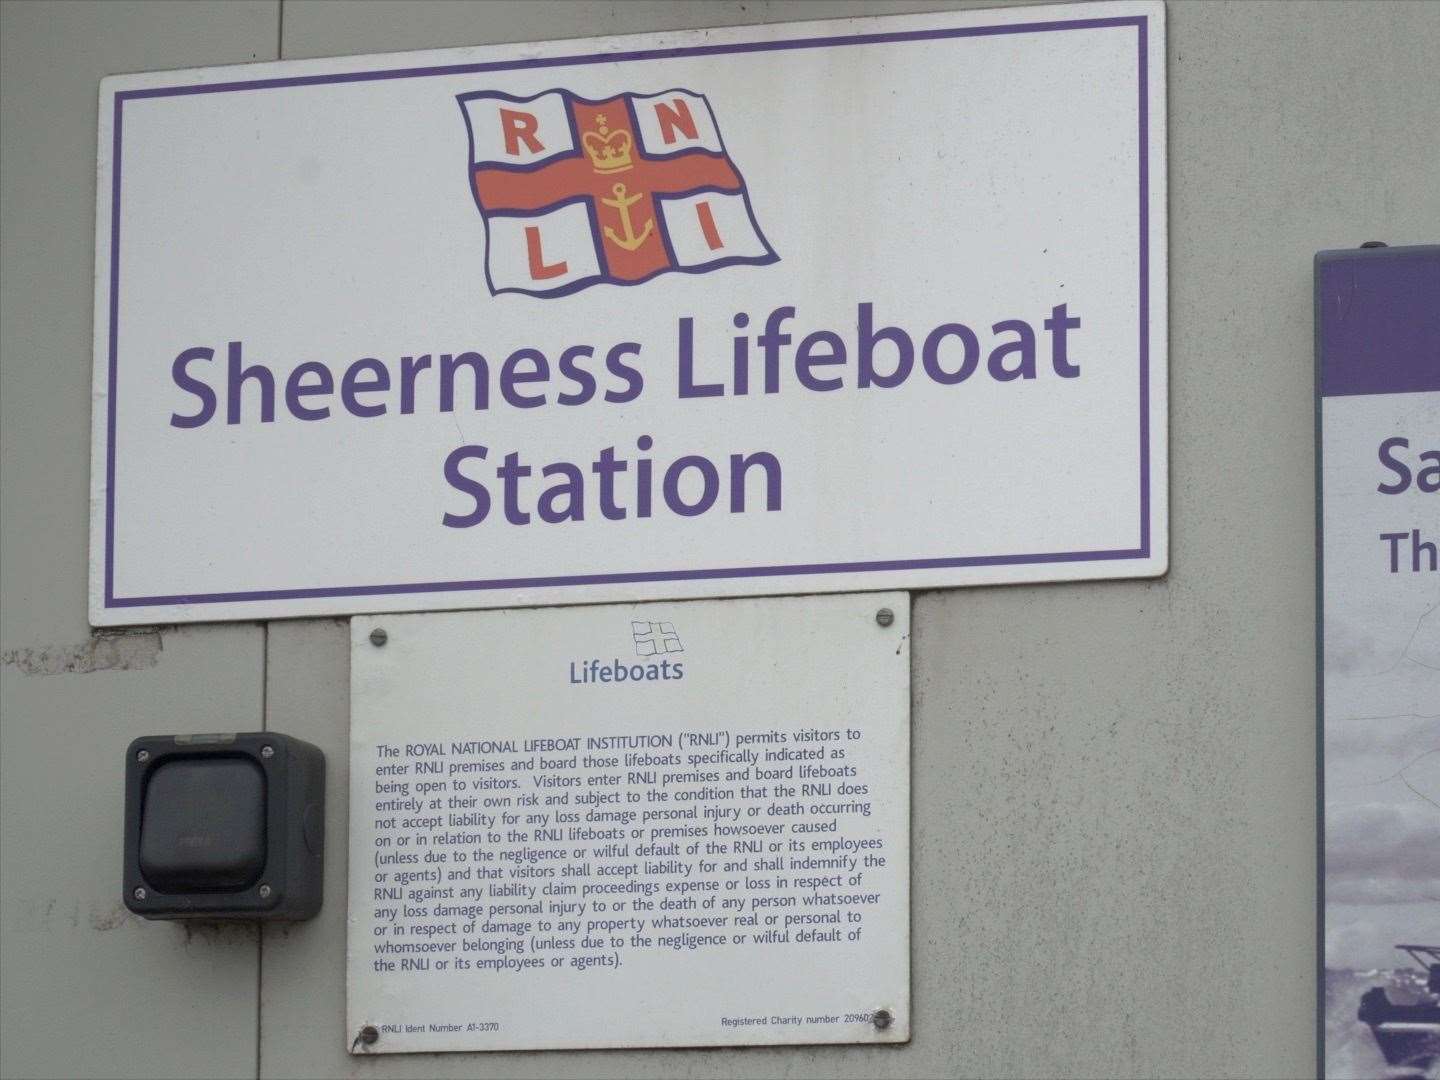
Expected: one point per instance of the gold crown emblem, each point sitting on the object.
(609, 151)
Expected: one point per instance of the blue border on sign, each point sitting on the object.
(1139, 22)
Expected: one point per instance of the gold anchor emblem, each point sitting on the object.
(630, 241)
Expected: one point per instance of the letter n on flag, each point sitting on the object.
(577, 192)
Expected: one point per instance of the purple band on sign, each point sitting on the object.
(1377, 311)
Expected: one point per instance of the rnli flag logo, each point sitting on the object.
(576, 192)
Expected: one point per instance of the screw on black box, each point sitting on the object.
(884, 616)
(378, 636)
(882, 1019)
(143, 756)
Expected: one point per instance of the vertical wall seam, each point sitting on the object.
(259, 992)
(265, 710)
(265, 676)
(260, 926)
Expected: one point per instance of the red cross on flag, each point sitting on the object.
(577, 192)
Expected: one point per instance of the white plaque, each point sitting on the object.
(810, 307)
(678, 824)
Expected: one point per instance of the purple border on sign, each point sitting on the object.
(1379, 320)
(1142, 551)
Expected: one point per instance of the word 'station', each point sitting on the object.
(581, 852)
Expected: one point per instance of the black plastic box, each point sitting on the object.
(224, 826)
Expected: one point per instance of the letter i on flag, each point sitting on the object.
(577, 192)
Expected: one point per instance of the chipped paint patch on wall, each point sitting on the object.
(103, 652)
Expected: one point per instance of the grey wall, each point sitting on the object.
(1113, 783)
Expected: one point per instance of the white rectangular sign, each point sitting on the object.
(676, 824)
(809, 307)
(1377, 344)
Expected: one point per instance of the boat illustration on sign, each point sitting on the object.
(1408, 1033)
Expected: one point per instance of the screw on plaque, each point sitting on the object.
(884, 616)
(882, 1019)
(378, 636)
(369, 1035)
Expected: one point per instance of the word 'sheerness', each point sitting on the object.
(615, 485)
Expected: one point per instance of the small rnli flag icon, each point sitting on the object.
(577, 192)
